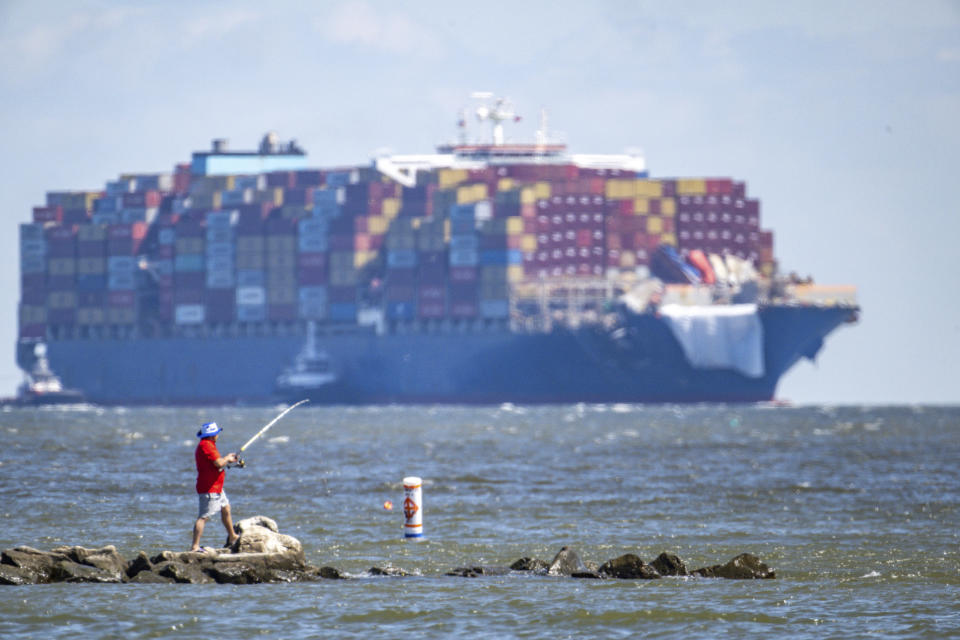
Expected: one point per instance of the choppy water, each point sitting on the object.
(856, 509)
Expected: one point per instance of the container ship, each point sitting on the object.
(487, 272)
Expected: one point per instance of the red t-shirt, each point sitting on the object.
(209, 478)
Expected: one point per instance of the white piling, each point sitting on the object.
(412, 507)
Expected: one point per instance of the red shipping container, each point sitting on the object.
(340, 242)
(463, 291)
(140, 199)
(61, 283)
(312, 276)
(400, 292)
(433, 273)
(463, 309)
(189, 280)
(282, 311)
(361, 242)
(47, 214)
(432, 292)
(34, 296)
(719, 186)
(123, 299)
(401, 275)
(32, 281)
(309, 178)
(33, 331)
(61, 316)
(284, 179)
(313, 260)
(342, 294)
(189, 295)
(429, 310)
(181, 178)
(221, 304)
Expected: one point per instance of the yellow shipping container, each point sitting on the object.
(505, 184)
(450, 177)
(528, 195)
(618, 189)
(691, 186)
(627, 259)
(542, 190)
(391, 207)
(378, 225)
(528, 242)
(362, 258)
(641, 205)
(668, 238)
(649, 188)
(469, 194)
(654, 225)
(229, 183)
(668, 207)
(514, 225)
(515, 273)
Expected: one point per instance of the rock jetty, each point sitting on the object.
(264, 555)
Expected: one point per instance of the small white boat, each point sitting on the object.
(41, 386)
(312, 374)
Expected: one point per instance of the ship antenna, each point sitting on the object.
(542, 135)
(498, 112)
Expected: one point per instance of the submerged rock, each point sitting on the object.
(745, 566)
(668, 564)
(628, 566)
(530, 564)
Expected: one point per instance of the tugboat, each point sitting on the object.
(41, 386)
(312, 374)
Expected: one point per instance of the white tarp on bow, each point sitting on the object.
(719, 337)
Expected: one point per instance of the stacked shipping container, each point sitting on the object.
(317, 245)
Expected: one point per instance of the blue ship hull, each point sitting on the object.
(640, 362)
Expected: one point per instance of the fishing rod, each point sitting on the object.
(240, 461)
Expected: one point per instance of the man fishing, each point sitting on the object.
(210, 475)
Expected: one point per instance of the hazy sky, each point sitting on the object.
(843, 118)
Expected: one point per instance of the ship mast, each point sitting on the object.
(497, 112)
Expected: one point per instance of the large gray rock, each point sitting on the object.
(261, 535)
(63, 564)
(628, 566)
(745, 566)
(16, 576)
(566, 563)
